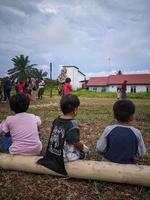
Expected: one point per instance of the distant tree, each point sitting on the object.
(119, 72)
(22, 68)
(38, 74)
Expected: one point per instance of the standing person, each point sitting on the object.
(64, 143)
(61, 80)
(67, 88)
(122, 143)
(7, 88)
(33, 91)
(123, 90)
(16, 86)
(1, 91)
(20, 87)
(21, 130)
(41, 89)
(28, 86)
(119, 93)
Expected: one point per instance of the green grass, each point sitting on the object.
(91, 94)
(95, 114)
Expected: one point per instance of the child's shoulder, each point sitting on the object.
(136, 131)
(9, 117)
(73, 121)
(28, 115)
(111, 127)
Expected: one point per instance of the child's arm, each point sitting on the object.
(73, 137)
(102, 142)
(79, 145)
(38, 121)
(141, 146)
(1, 128)
(4, 130)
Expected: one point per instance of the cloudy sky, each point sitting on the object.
(98, 36)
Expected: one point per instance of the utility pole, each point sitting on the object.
(50, 75)
(109, 64)
(50, 71)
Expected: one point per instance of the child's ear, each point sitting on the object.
(76, 110)
(131, 118)
(113, 115)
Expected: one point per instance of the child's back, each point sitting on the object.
(71, 130)
(22, 127)
(64, 142)
(121, 143)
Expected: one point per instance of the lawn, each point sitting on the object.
(95, 114)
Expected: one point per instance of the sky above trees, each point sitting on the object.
(98, 36)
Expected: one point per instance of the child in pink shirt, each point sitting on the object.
(21, 134)
(20, 87)
(67, 88)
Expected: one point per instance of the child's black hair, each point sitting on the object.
(68, 103)
(123, 110)
(19, 103)
(68, 80)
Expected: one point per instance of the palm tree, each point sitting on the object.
(38, 74)
(119, 72)
(22, 68)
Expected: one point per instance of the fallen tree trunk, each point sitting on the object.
(83, 169)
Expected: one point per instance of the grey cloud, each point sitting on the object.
(83, 33)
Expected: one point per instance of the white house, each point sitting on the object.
(76, 76)
(135, 83)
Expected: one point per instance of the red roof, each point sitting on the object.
(138, 79)
(95, 81)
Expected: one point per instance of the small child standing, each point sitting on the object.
(67, 88)
(122, 143)
(118, 92)
(64, 143)
(41, 89)
(20, 131)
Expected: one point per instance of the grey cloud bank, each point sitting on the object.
(73, 32)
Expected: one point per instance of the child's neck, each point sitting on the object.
(68, 116)
(124, 123)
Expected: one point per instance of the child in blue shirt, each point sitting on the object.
(122, 143)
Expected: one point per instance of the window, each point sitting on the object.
(148, 88)
(133, 89)
(103, 89)
(94, 89)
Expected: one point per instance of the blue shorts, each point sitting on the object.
(5, 143)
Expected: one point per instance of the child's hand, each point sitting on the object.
(85, 148)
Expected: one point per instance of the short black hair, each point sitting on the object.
(19, 103)
(68, 80)
(68, 103)
(123, 110)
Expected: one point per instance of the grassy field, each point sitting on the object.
(95, 114)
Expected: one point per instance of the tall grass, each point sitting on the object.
(86, 93)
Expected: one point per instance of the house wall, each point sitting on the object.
(130, 88)
(113, 88)
(81, 77)
(75, 76)
(99, 89)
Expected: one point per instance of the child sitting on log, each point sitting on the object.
(19, 132)
(122, 143)
(64, 143)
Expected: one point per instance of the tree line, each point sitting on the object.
(22, 69)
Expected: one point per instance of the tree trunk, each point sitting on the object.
(83, 169)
